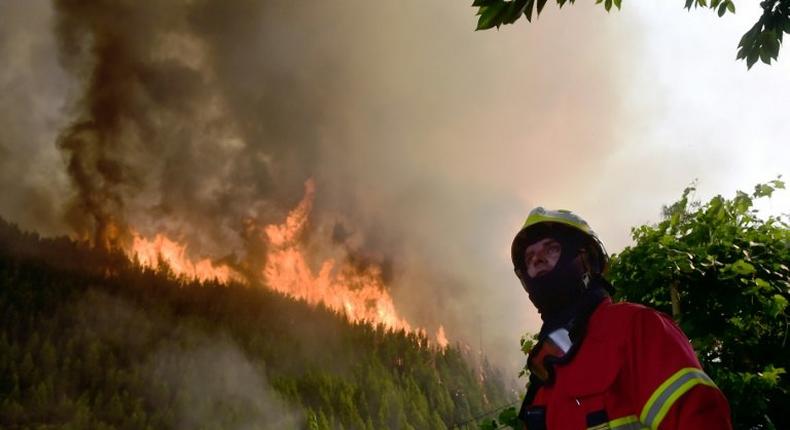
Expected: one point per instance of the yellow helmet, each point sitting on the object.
(540, 217)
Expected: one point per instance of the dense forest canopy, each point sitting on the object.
(90, 340)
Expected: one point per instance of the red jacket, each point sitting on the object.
(634, 370)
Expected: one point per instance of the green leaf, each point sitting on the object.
(489, 425)
(765, 55)
(762, 284)
(722, 9)
(763, 190)
(752, 57)
(514, 11)
(689, 3)
(527, 343)
(742, 202)
(478, 3)
(747, 40)
(772, 374)
(509, 417)
(489, 15)
(772, 43)
(778, 305)
(741, 268)
(608, 5)
(617, 3)
(541, 3)
(685, 266)
(528, 10)
(730, 6)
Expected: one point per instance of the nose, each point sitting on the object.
(541, 256)
(539, 263)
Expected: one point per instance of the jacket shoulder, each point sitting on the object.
(624, 310)
(620, 317)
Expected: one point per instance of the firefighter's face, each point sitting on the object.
(542, 256)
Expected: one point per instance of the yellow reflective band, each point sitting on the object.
(629, 422)
(668, 392)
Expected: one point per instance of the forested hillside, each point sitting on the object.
(90, 340)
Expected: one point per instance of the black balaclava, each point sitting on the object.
(567, 295)
(557, 291)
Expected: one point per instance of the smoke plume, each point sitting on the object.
(205, 380)
(190, 119)
(195, 118)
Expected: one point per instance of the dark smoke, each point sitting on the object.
(201, 119)
(192, 113)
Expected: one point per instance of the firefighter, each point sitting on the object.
(599, 364)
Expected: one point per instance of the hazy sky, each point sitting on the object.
(427, 139)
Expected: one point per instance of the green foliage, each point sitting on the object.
(527, 342)
(729, 269)
(89, 340)
(507, 418)
(762, 41)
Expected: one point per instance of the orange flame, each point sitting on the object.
(441, 338)
(359, 294)
(150, 253)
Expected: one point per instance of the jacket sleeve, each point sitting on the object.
(670, 389)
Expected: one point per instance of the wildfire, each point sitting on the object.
(152, 253)
(441, 338)
(358, 293)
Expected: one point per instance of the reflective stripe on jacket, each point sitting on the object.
(634, 370)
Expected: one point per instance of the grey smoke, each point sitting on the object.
(205, 380)
(423, 136)
(32, 90)
(213, 377)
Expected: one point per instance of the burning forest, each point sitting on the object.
(357, 293)
(277, 214)
(175, 160)
(135, 347)
(213, 264)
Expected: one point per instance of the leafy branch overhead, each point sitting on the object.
(762, 41)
